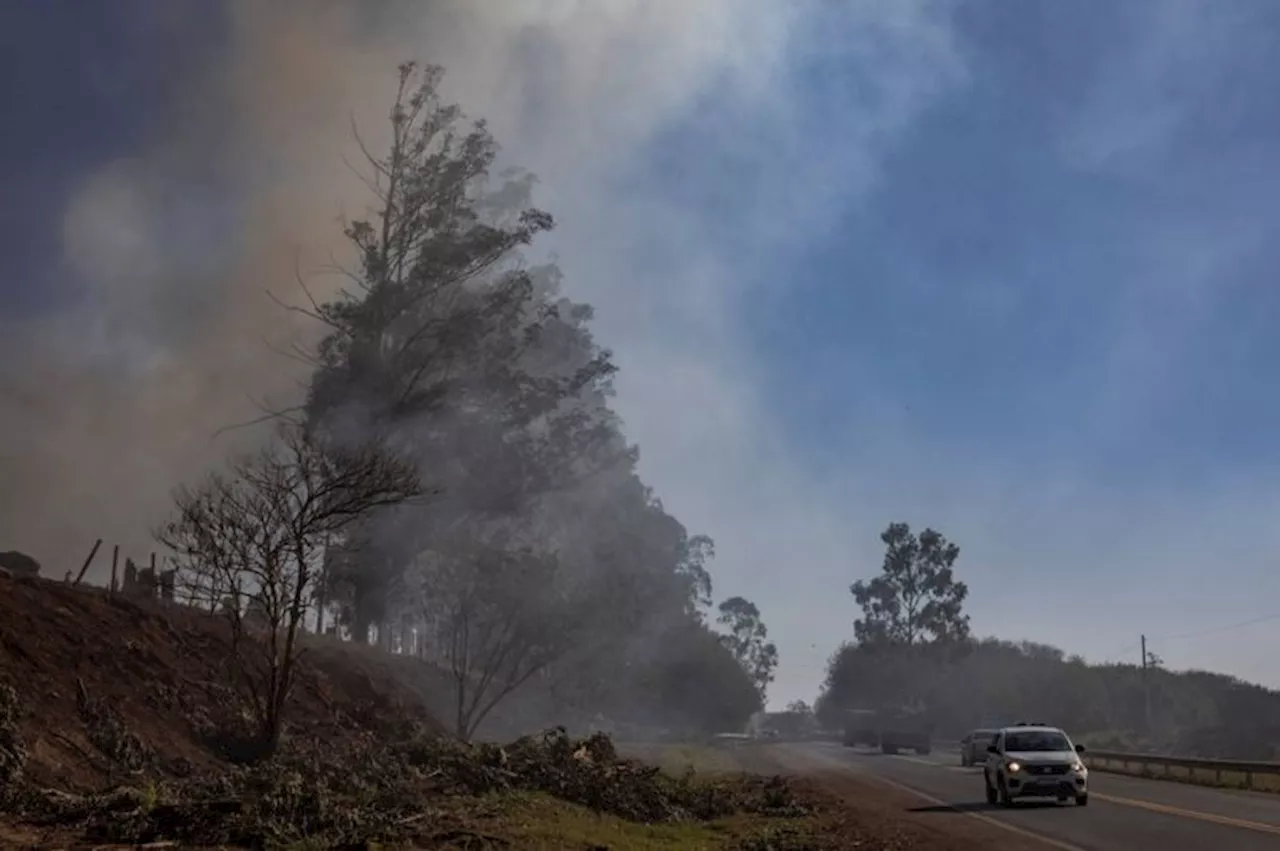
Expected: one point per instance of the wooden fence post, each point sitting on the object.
(84, 569)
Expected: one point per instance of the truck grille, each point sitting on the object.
(1047, 769)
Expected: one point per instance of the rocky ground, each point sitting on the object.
(113, 733)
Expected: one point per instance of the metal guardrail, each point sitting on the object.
(1163, 766)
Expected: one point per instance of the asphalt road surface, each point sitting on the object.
(1124, 813)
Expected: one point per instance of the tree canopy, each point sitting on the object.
(746, 637)
(916, 597)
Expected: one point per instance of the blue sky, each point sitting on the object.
(988, 277)
(1004, 268)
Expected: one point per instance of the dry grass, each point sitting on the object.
(537, 821)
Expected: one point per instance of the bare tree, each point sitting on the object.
(257, 531)
(500, 616)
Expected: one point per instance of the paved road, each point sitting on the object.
(1124, 813)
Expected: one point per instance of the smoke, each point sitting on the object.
(186, 247)
(642, 120)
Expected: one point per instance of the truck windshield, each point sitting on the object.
(1040, 740)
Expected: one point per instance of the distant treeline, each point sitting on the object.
(992, 682)
(912, 647)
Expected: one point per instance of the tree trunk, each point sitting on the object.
(462, 720)
(361, 621)
(322, 588)
(269, 742)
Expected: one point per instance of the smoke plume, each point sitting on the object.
(189, 250)
(190, 247)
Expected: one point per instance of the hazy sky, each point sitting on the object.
(998, 267)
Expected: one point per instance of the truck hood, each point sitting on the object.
(1040, 757)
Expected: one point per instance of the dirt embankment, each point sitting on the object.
(81, 661)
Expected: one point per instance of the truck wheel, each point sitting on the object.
(992, 796)
(1082, 800)
(1005, 800)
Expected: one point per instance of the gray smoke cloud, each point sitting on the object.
(189, 244)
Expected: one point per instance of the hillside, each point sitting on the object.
(80, 661)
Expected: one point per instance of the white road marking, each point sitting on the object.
(963, 769)
(918, 761)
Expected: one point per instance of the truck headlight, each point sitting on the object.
(1077, 767)
(1013, 766)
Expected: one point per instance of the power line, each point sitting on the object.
(1216, 629)
(1129, 648)
(1118, 656)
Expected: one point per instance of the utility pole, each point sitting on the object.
(1146, 690)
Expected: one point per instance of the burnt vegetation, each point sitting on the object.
(376, 789)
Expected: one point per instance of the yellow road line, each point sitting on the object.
(1244, 824)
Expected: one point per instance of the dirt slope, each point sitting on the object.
(155, 666)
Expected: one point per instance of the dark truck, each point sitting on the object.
(861, 728)
(891, 730)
